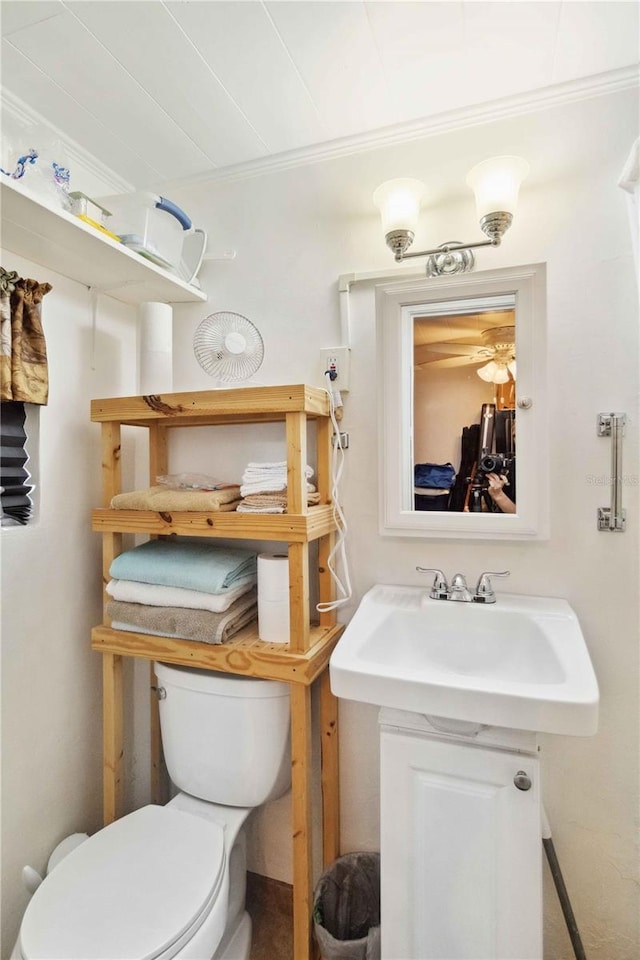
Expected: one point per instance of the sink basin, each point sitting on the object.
(521, 663)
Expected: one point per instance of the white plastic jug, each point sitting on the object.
(193, 247)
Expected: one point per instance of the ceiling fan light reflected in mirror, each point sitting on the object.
(501, 342)
(494, 372)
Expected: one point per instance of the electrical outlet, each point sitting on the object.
(336, 360)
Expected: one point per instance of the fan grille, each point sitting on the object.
(228, 346)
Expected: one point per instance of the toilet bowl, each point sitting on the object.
(168, 882)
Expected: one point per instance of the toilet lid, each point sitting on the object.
(130, 891)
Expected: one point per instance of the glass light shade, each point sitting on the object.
(496, 183)
(399, 204)
(511, 367)
(494, 372)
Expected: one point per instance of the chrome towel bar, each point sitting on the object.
(613, 517)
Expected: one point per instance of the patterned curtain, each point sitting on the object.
(23, 352)
(24, 379)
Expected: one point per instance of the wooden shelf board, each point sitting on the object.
(60, 241)
(288, 528)
(211, 407)
(244, 653)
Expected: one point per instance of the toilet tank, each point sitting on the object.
(226, 738)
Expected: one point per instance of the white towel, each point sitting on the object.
(155, 595)
(278, 466)
(266, 485)
(274, 471)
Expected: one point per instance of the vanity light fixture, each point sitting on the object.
(495, 182)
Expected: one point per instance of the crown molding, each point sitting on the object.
(585, 88)
(556, 95)
(25, 116)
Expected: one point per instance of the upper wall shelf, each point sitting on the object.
(58, 240)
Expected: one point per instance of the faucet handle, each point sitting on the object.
(439, 588)
(484, 591)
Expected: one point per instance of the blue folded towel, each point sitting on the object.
(181, 563)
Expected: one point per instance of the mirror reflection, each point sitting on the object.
(464, 401)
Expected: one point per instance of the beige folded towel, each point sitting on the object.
(162, 499)
(183, 623)
(270, 502)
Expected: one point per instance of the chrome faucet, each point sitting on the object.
(459, 591)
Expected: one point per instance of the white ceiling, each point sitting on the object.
(171, 91)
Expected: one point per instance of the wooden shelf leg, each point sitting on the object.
(112, 713)
(301, 816)
(160, 783)
(330, 771)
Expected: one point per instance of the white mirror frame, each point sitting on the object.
(397, 304)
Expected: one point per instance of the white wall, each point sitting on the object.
(51, 595)
(295, 231)
(445, 401)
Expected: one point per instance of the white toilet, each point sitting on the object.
(169, 882)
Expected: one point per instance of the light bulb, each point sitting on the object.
(399, 204)
(494, 372)
(487, 372)
(496, 183)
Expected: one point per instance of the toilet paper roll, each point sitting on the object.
(273, 597)
(273, 576)
(273, 620)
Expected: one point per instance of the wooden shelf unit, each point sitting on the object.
(302, 662)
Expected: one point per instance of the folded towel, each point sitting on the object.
(269, 485)
(183, 563)
(184, 624)
(263, 486)
(132, 591)
(271, 502)
(276, 499)
(248, 508)
(274, 467)
(161, 499)
(260, 477)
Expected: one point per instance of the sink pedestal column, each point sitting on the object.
(460, 840)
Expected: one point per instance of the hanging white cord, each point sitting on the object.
(338, 550)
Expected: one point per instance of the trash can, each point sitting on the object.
(346, 908)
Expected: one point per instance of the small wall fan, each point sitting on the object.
(228, 347)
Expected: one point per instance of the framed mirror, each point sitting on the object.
(462, 408)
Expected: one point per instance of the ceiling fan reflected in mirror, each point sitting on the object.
(467, 345)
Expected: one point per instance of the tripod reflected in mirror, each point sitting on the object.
(493, 467)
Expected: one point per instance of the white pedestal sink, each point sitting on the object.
(465, 689)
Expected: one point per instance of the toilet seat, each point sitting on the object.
(139, 888)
